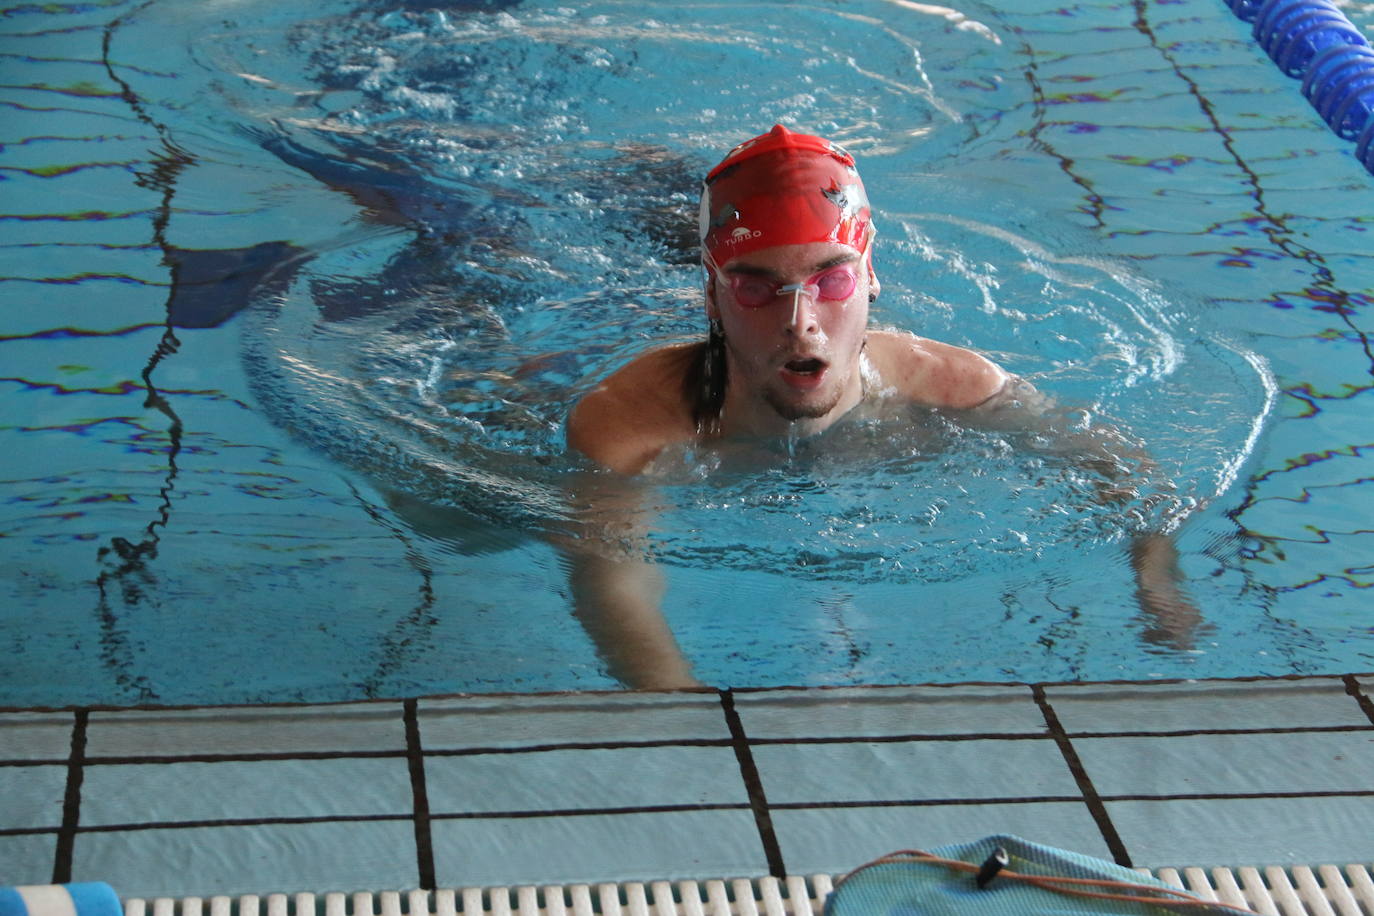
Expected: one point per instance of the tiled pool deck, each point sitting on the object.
(475, 791)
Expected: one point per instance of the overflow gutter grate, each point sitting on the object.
(1326, 890)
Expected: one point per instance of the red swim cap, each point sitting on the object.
(782, 188)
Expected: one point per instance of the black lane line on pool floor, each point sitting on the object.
(71, 802)
(1085, 784)
(91, 760)
(753, 784)
(415, 756)
(545, 813)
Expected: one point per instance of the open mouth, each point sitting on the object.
(805, 366)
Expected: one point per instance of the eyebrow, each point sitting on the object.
(751, 270)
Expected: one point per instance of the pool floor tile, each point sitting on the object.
(36, 735)
(905, 770)
(32, 796)
(1258, 831)
(452, 724)
(1230, 764)
(262, 789)
(838, 840)
(642, 846)
(201, 861)
(584, 778)
(864, 712)
(27, 859)
(336, 729)
(1310, 702)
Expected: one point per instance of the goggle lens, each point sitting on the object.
(836, 283)
(753, 292)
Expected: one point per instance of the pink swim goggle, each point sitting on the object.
(834, 284)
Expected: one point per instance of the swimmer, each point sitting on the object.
(787, 249)
(787, 246)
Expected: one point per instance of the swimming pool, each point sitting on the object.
(299, 298)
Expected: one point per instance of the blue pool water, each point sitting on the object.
(297, 297)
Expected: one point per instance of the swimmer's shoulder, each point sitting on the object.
(636, 411)
(932, 373)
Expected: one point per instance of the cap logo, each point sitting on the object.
(742, 234)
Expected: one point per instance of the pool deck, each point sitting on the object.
(513, 790)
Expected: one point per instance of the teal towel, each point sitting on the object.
(912, 888)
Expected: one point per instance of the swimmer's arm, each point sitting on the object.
(598, 429)
(617, 601)
(1174, 618)
(976, 389)
(1118, 465)
(629, 418)
(1115, 462)
(934, 374)
(616, 591)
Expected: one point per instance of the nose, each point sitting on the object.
(803, 320)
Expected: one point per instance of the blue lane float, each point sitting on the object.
(1313, 40)
(86, 898)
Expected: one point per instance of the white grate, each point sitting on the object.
(1324, 891)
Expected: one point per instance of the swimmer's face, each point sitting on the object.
(792, 355)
